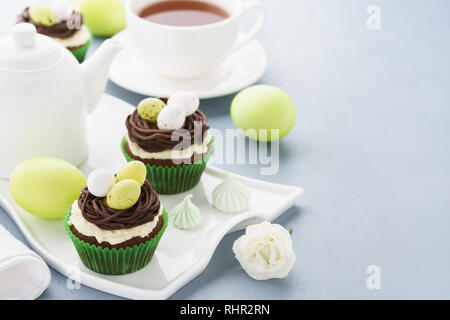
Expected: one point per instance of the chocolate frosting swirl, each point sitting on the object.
(152, 139)
(97, 212)
(60, 30)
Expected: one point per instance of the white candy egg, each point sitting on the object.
(172, 117)
(187, 99)
(63, 9)
(100, 181)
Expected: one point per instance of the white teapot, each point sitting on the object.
(45, 96)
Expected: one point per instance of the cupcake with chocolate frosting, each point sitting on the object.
(60, 21)
(171, 137)
(117, 221)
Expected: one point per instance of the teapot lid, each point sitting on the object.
(25, 50)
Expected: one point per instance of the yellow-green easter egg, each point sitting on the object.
(42, 15)
(104, 18)
(124, 194)
(135, 170)
(46, 187)
(263, 112)
(149, 109)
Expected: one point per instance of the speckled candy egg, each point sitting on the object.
(135, 170)
(124, 194)
(172, 117)
(187, 99)
(263, 107)
(100, 181)
(42, 14)
(62, 8)
(149, 109)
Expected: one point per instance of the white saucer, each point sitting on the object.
(238, 71)
(181, 255)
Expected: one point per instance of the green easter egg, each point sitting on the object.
(263, 107)
(42, 15)
(124, 194)
(135, 170)
(149, 109)
(46, 187)
(104, 18)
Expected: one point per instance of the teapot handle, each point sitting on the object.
(248, 36)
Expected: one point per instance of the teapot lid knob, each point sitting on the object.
(24, 35)
(25, 50)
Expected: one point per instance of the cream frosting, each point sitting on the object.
(80, 38)
(111, 236)
(169, 153)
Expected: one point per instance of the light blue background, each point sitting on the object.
(370, 148)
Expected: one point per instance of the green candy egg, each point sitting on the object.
(104, 18)
(149, 109)
(135, 170)
(42, 15)
(46, 187)
(123, 195)
(260, 108)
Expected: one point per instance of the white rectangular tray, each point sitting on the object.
(181, 255)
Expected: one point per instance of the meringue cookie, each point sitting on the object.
(186, 215)
(231, 196)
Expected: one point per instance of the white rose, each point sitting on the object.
(265, 251)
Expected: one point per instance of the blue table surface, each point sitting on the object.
(370, 148)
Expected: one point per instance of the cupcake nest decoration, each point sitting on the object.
(60, 21)
(231, 196)
(117, 221)
(171, 137)
(186, 215)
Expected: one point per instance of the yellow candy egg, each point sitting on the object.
(123, 195)
(135, 170)
(46, 187)
(149, 109)
(42, 15)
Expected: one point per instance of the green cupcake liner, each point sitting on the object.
(176, 179)
(80, 53)
(115, 261)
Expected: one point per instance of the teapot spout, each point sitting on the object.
(95, 71)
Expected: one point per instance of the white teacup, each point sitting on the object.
(190, 51)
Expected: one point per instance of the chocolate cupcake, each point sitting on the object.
(174, 146)
(61, 22)
(117, 229)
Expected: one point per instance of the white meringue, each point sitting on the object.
(230, 196)
(186, 215)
